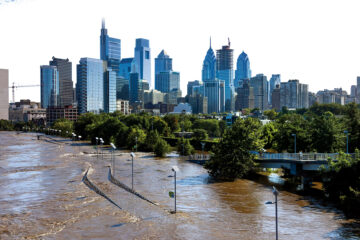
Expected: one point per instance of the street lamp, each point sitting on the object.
(174, 169)
(347, 140)
(276, 193)
(132, 170)
(294, 135)
(97, 148)
(102, 152)
(113, 158)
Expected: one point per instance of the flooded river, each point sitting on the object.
(42, 196)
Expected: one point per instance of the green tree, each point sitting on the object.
(6, 125)
(270, 114)
(327, 134)
(352, 124)
(172, 121)
(65, 126)
(161, 148)
(184, 147)
(232, 157)
(268, 132)
(151, 139)
(136, 138)
(210, 125)
(200, 135)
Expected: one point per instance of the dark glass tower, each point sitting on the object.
(143, 59)
(64, 67)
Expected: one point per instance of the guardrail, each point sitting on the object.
(300, 156)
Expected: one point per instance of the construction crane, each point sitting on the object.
(20, 86)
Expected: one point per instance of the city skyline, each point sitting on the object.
(319, 50)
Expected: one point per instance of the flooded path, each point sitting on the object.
(43, 197)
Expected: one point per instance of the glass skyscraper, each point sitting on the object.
(242, 69)
(64, 67)
(274, 80)
(166, 80)
(224, 71)
(125, 67)
(260, 85)
(49, 86)
(163, 63)
(110, 91)
(143, 59)
(90, 85)
(209, 66)
(215, 93)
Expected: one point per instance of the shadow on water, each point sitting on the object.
(193, 180)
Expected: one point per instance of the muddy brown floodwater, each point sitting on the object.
(42, 196)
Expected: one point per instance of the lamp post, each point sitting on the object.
(175, 169)
(294, 135)
(347, 140)
(97, 148)
(102, 150)
(132, 169)
(113, 157)
(202, 148)
(276, 193)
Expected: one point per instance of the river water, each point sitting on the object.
(43, 197)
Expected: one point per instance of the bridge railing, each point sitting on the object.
(299, 156)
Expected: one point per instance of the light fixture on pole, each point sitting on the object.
(294, 135)
(347, 140)
(102, 150)
(97, 148)
(132, 169)
(276, 193)
(173, 194)
(113, 157)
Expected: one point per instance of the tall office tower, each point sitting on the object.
(209, 66)
(167, 81)
(215, 92)
(49, 86)
(275, 98)
(110, 50)
(90, 85)
(122, 88)
(125, 67)
(224, 71)
(260, 85)
(358, 91)
(143, 59)
(135, 86)
(163, 63)
(191, 85)
(353, 91)
(294, 94)
(64, 67)
(245, 96)
(242, 69)
(274, 81)
(109, 91)
(4, 94)
(198, 103)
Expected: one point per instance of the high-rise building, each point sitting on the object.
(167, 81)
(110, 50)
(353, 91)
(215, 93)
(125, 67)
(135, 88)
(143, 59)
(358, 89)
(153, 96)
(274, 81)
(122, 88)
(242, 69)
(90, 85)
(49, 86)
(209, 66)
(275, 98)
(245, 96)
(191, 85)
(4, 94)
(199, 103)
(294, 94)
(224, 71)
(260, 85)
(163, 63)
(109, 91)
(64, 67)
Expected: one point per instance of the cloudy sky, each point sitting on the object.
(317, 42)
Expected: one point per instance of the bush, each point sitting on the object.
(184, 147)
(200, 135)
(161, 148)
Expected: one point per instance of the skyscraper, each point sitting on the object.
(163, 63)
(4, 94)
(135, 85)
(125, 67)
(110, 49)
(49, 86)
(90, 85)
(358, 89)
(191, 85)
(215, 92)
(143, 59)
(245, 96)
(274, 80)
(209, 66)
(224, 71)
(64, 67)
(109, 91)
(294, 94)
(167, 81)
(260, 85)
(242, 69)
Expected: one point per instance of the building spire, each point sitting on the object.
(103, 23)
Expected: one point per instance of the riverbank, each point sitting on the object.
(41, 185)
